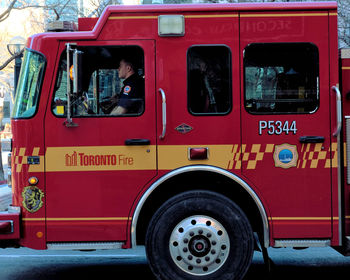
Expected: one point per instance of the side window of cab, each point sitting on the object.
(112, 83)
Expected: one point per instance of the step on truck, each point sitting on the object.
(201, 132)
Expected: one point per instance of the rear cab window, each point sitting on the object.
(209, 80)
(281, 78)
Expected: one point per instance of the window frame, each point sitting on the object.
(81, 47)
(279, 112)
(229, 81)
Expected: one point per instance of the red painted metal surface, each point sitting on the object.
(86, 24)
(98, 205)
(345, 88)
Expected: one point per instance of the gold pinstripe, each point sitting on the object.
(238, 14)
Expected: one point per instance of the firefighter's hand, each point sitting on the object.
(114, 99)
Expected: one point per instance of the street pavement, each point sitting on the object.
(27, 264)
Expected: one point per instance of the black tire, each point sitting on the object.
(199, 235)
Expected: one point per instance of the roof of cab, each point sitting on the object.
(183, 8)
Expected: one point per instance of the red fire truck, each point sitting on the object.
(238, 137)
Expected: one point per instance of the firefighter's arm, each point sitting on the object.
(119, 110)
(124, 102)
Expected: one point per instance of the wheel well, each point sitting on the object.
(198, 180)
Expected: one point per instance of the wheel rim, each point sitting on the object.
(199, 245)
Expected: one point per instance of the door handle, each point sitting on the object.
(137, 142)
(339, 111)
(163, 113)
(311, 139)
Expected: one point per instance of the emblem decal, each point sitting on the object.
(32, 198)
(127, 89)
(285, 156)
(184, 128)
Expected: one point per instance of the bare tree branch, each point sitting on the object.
(7, 62)
(97, 6)
(4, 15)
(57, 7)
(62, 7)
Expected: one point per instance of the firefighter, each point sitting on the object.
(202, 98)
(130, 99)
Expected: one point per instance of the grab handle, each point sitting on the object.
(339, 112)
(163, 113)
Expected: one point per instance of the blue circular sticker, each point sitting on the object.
(285, 156)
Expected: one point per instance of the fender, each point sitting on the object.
(212, 169)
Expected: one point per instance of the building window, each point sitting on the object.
(209, 80)
(281, 78)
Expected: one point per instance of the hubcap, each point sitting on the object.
(199, 245)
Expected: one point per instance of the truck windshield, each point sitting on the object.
(29, 85)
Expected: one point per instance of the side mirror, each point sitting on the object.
(74, 61)
(76, 72)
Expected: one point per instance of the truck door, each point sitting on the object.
(96, 166)
(201, 86)
(287, 145)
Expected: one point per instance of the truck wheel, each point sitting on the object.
(199, 235)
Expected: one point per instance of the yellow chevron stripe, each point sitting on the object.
(167, 157)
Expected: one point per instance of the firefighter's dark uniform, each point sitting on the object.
(132, 94)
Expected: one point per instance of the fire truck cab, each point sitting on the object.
(195, 130)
